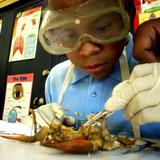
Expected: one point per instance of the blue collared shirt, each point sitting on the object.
(86, 95)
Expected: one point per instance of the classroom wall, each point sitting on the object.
(42, 61)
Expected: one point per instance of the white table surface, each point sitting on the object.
(14, 150)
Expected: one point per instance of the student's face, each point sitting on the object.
(95, 59)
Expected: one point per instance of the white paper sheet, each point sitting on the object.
(14, 128)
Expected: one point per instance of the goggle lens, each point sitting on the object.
(101, 29)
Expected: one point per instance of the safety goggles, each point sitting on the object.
(99, 21)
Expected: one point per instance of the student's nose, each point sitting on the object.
(90, 48)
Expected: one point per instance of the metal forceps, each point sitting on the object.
(98, 116)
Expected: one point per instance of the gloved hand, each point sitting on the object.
(45, 114)
(146, 42)
(140, 95)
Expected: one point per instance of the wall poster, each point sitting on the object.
(0, 25)
(150, 6)
(4, 3)
(18, 97)
(150, 9)
(25, 35)
(147, 16)
(146, 10)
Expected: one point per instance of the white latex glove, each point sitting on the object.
(49, 112)
(45, 114)
(140, 95)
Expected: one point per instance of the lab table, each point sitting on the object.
(15, 150)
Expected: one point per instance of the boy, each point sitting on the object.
(95, 37)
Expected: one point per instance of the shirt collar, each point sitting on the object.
(78, 75)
